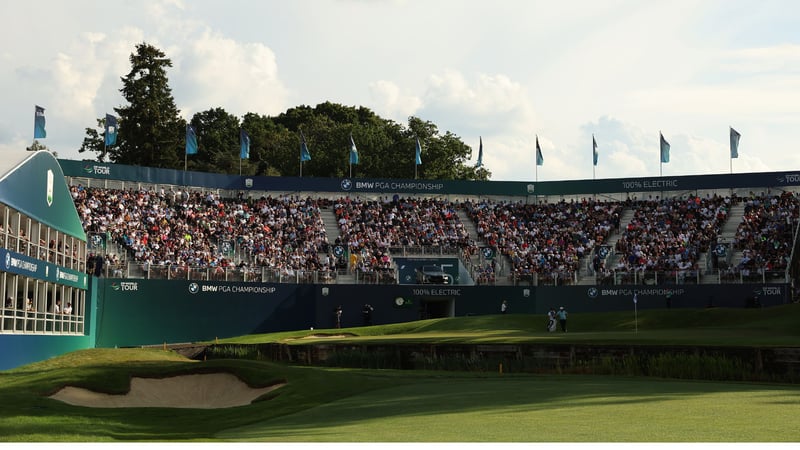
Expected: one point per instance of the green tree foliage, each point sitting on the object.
(94, 141)
(386, 149)
(151, 133)
(36, 146)
(217, 142)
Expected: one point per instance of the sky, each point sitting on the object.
(504, 71)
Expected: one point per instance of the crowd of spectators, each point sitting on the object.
(669, 235)
(370, 229)
(765, 234)
(546, 239)
(178, 230)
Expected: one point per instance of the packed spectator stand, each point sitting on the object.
(177, 233)
(667, 237)
(766, 236)
(546, 240)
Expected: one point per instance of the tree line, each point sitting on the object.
(151, 133)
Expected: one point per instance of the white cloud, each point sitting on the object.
(489, 94)
(783, 58)
(612, 68)
(216, 71)
(389, 102)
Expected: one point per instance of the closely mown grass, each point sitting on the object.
(686, 327)
(470, 402)
(353, 405)
(496, 409)
(775, 326)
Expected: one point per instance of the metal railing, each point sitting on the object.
(723, 276)
(249, 274)
(390, 276)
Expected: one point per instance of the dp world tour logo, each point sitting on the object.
(592, 292)
(88, 168)
(125, 286)
(347, 184)
(8, 260)
(194, 288)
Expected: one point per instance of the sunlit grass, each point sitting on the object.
(357, 405)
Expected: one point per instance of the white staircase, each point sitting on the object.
(503, 263)
(727, 235)
(584, 276)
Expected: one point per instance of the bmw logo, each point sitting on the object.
(593, 292)
(193, 288)
(347, 184)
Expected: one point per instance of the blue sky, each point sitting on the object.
(504, 70)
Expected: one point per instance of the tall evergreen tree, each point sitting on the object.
(151, 132)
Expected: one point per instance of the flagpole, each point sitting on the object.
(302, 140)
(536, 160)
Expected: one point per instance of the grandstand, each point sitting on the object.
(154, 230)
(176, 256)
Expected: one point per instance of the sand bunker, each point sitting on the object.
(327, 336)
(205, 391)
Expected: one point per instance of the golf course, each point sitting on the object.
(78, 397)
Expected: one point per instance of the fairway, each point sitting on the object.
(545, 409)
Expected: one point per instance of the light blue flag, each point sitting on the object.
(111, 130)
(38, 124)
(539, 157)
(418, 157)
(664, 149)
(304, 154)
(244, 144)
(480, 153)
(594, 151)
(353, 151)
(735, 143)
(191, 140)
